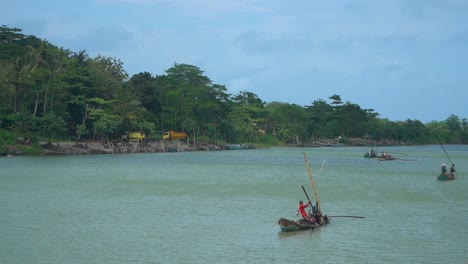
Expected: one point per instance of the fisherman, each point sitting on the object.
(452, 170)
(304, 214)
(319, 218)
(317, 214)
(443, 169)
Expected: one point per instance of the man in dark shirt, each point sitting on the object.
(443, 169)
(452, 170)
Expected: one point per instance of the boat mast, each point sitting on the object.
(313, 183)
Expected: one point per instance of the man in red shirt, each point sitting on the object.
(304, 214)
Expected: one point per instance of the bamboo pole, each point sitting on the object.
(313, 183)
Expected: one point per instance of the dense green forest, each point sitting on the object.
(54, 94)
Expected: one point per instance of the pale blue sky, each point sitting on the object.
(403, 58)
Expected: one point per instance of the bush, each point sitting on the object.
(34, 149)
(6, 137)
(268, 140)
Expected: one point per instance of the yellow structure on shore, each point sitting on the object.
(133, 136)
(174, 135)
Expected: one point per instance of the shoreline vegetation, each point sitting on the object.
(23, 147)
(91, 105)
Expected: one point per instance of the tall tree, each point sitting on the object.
(247, 112)
(187, 85)
(287, 121)
(320, 113)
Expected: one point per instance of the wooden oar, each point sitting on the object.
(307, 195)
(313, 184)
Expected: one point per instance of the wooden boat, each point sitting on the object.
(236, 147)
(291, 226)
(445, 177)
(386, 157)
(370, 155)
(319, 144)
(300, 225)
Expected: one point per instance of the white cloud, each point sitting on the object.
(283, 51)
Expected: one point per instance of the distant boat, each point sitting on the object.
(337, 145)
(386, 157)
(319, 144)
(445, 177)
(236, 146)
(372, 154)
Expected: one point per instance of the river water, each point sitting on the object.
(223, 207)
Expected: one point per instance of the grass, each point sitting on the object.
(8, 144)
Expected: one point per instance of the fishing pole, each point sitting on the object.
(441, 146)
(446, 153)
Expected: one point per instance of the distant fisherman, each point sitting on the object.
(443, 169)
(452, 170)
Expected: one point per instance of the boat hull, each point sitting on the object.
(445, 177)
(370, 156)
(236, 147)
(386, 158)
(292, 226)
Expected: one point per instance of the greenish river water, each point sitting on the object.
(223, 207)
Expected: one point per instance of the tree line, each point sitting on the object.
(52, 93)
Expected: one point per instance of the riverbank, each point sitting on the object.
(97, 147)
(24, 147)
